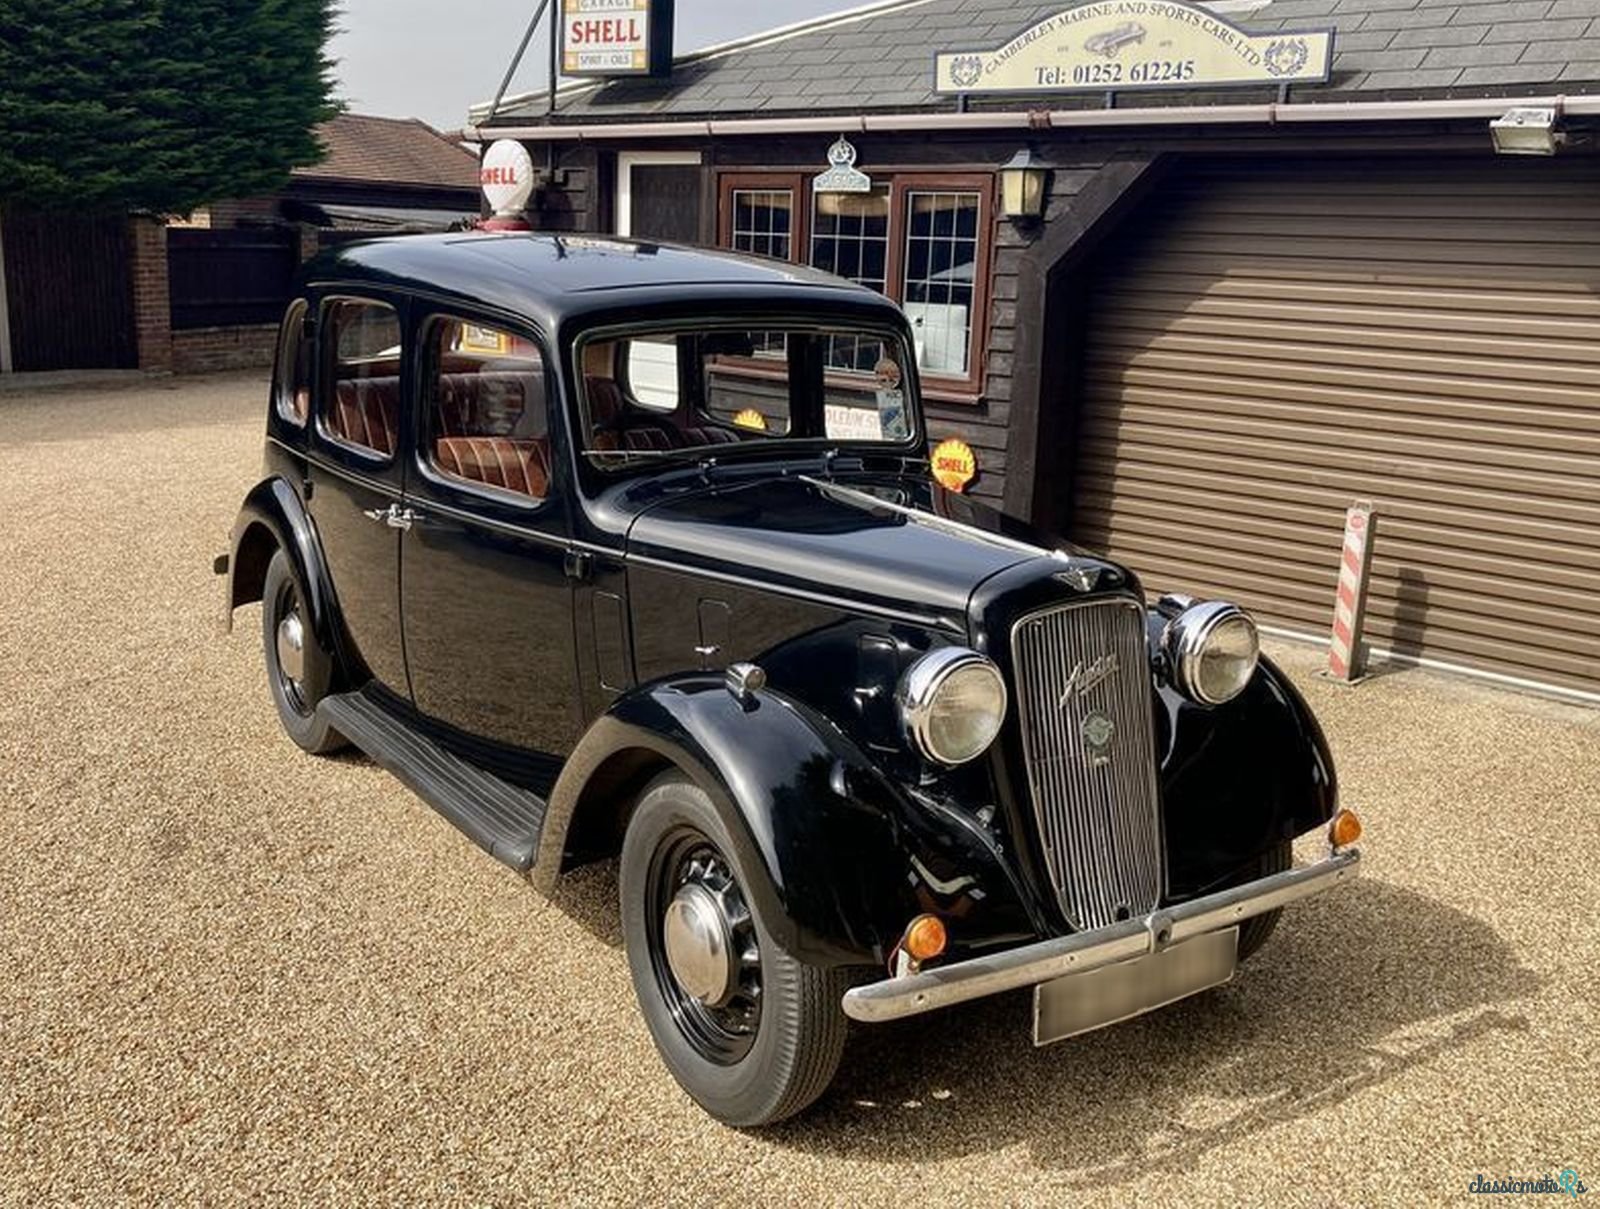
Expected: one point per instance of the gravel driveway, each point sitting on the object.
(230, 971)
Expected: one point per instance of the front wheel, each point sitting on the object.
(749, 1032)
(299, 671)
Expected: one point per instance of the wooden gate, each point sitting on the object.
(69, 289)
(230, 277)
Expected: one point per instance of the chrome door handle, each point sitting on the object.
(394, 516)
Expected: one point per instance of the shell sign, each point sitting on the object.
(954, 464)
(605, 38)
(1120, 45)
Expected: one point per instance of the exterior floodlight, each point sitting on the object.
(1526, 131)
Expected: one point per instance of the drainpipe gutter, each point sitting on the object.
(1269, 114)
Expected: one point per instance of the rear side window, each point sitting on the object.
(292, 378)
(484, 404)
(361, 401)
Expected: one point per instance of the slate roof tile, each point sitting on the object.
(883, 60)
(1506, 73)
(1453, 35)
(1486, 54)
(1397, 81)
(1547, 52)
(1511, 10)
(1523, 31)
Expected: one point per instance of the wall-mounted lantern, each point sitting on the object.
(1022, 181)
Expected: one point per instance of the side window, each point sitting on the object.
(484, 404)
(291, 379)
(361, 398)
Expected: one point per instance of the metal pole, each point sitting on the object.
(5, 311)
(516, 60)
(555, 64)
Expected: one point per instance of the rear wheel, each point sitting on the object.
(749, 1032)
(299, 670)
(1254, 931)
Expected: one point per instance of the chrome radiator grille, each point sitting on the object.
(1084, 704)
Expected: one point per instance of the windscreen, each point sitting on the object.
(652, 393)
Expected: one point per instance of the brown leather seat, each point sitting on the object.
(491, 403)
(711, 436)
(366, 412)
(615, 428)
(522, 466)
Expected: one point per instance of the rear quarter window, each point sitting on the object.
(291, 379)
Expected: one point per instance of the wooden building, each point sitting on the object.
(1241, 308)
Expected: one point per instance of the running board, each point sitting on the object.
(501, 818)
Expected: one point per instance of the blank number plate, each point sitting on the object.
(1081, 1002)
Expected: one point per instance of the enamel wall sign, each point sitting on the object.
(1122, 45)
(954, 464)
(842, 175)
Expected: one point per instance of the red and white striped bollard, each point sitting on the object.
(1345, 661)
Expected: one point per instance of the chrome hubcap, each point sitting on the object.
(699, 941)
(292, 648)
(703, 947)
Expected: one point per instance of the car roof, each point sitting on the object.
(551, 278)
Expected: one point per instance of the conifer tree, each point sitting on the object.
(159, 105)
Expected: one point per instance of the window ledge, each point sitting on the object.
(963, 395)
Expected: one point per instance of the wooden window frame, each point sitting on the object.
(937, 387)
(793, 182)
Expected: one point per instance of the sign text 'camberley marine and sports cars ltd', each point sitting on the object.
(1115, 45)
(616, 37)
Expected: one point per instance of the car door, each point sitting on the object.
(355, 472)
(486, 596)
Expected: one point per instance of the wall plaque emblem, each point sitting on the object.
(1119, 45)
(841, 176)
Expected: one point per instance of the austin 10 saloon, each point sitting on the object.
(612, 550)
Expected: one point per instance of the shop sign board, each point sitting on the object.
(605, 38)
(1124, 45)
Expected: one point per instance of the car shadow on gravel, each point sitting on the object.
(1353, 989)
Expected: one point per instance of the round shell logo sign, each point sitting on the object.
(752, 419)
(954, 464)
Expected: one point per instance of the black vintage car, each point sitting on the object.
(612, 550)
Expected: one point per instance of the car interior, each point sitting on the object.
(485, 408)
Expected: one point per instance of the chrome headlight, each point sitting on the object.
(952, 702)
(1212, 649)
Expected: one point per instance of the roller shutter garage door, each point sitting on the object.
(1267, 344)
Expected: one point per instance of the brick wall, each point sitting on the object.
(152, 306)
(210, 350)
(200, 350)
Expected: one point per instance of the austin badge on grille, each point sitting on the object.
(1097, 730)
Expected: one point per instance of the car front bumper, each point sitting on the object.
(913, 994)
